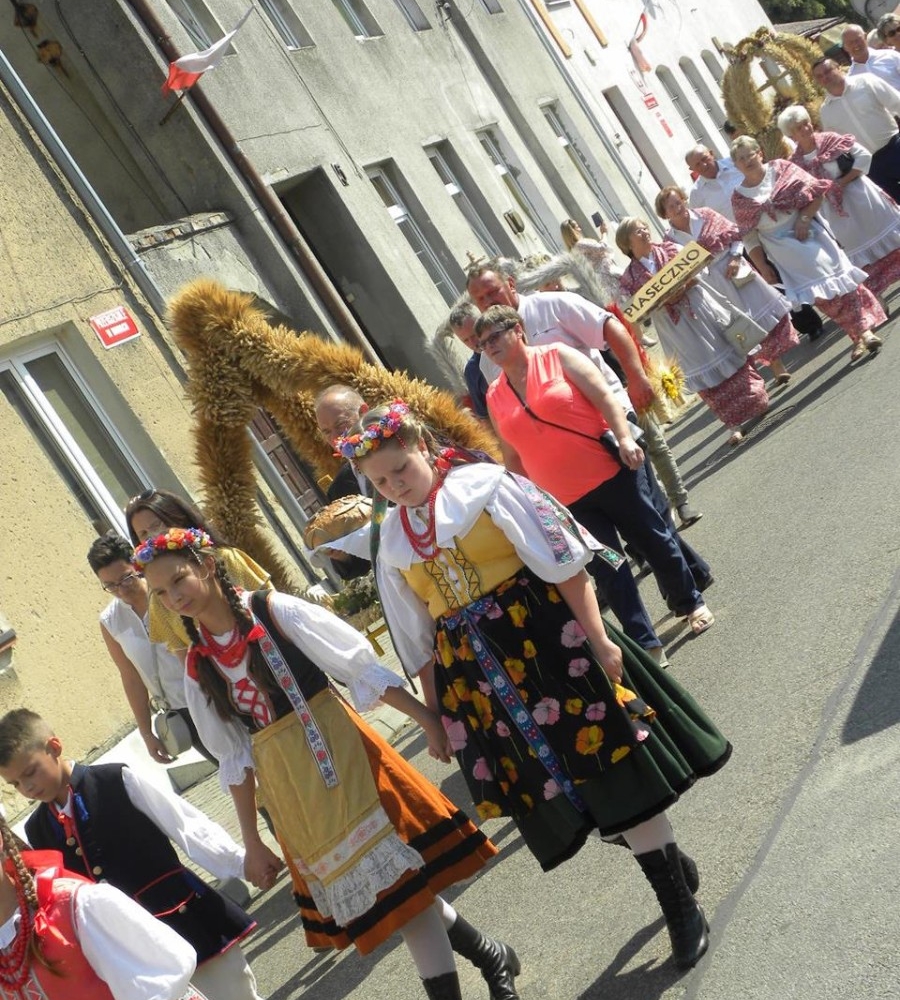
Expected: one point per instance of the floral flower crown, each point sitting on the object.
(173, 540)
(356, 446)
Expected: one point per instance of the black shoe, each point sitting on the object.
(688, 865)
(685, 920)
(444, 987)
(497, 962)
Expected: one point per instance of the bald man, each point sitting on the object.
(337, 409)
(883, 63)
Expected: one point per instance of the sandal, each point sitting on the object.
(859, 349)
(735, 439)
(871, 343)
(783, 379)
(700, 619)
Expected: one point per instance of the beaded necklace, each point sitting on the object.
(424, 543)
(15, 962)
(231, 652)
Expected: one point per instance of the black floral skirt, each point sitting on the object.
(543, 736)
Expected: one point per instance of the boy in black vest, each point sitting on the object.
(111, 826)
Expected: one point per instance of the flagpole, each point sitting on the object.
(173, 109)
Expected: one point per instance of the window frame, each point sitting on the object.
(43, 411)
(359, 19)
(414, 15)
(281, 22)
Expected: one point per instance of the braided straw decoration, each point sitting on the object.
(755, 113)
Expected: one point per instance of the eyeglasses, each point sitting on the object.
(493, 337)
(127, 580)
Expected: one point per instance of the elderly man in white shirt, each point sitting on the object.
(716, 180)
(864, 106)
(883, 63)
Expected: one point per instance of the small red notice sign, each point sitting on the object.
(114, 327)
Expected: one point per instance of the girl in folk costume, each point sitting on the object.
(777, 212)
(63, 938)
(864, 219)
(691, 326)
(373, 842)
(481, 576)
(731, 276)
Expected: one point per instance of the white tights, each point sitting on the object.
(426, 938)
(651, 835)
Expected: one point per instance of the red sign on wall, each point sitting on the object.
(114, 327)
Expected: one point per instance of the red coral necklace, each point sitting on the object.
(15, 962)
(424, 543)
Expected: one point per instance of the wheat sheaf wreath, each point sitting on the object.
(238, 361)
(754, 112)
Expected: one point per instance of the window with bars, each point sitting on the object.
(359, 18)
(695, 78)
(414, 15)
(285, 21)
(713, 65)
(683, 106)
(386, 182)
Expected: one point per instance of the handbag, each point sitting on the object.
(743, 333)
(172, 731)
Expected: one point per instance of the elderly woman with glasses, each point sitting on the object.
(691, 327)
(888, 29)
(863, 218)
(151, 675)
(778, 212)
(730, 275)
(560, 425)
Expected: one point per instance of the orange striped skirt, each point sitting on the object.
(445, 845)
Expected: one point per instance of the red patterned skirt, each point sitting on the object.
(884, 272)
(740, 397)
(780, 339)
(854, 312)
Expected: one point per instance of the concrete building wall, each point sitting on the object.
(55, 274)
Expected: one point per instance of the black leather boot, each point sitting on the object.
(445, 987)
(688, 865)
(497, 962)
(684, 918)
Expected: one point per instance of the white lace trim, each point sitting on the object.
(879, 246)
(830, 287)
(366, 693)
(352, 894)
(233, 770)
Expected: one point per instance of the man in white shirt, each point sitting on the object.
(864, 106)
(716, 180)
(883, 63)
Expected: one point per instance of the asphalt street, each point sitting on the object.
(796, 839)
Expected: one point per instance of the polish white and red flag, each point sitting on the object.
(186, 71)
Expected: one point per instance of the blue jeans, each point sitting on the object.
(625, 504)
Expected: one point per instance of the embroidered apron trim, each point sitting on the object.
(314, 739)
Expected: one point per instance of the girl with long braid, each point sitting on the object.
(64, 938)
(373, 841)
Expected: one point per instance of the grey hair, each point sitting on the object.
(699, 148)
(791, 117)
(743, 142)
(884, 22)
(463, 311)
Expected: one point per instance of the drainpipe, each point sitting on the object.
(89, 197)
(268, 200)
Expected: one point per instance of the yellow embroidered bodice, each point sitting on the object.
(478, 564)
